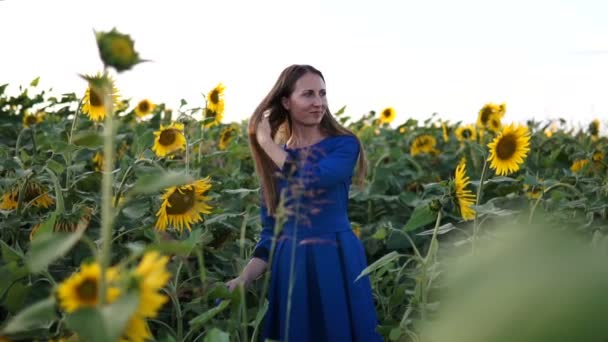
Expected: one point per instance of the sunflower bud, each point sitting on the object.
(117, 50)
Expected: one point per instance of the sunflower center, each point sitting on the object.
(485, 115)
(210, 113)
(214, 97)
(594, 129)
(87, 290)
(466, 133)
(32, 192)
(506, 146)
(227, 136)
(95, 99)
(30, 119)
(386, 113)
(181, 201)
(144, 106)
(167, 137)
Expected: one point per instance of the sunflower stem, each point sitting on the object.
(478, 200)
(68, 170)
(106, 193)
(546, 191)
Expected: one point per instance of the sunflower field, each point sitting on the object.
(122, 219)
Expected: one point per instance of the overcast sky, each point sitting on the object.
(545, 59)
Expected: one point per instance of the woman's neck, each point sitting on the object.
(305, 136)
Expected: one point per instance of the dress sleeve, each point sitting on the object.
(324, 169)
(262, 248)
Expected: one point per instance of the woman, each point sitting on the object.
(315, 258)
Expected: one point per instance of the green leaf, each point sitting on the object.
(47, 248)
(89, 324)
(421, 216)
(388, 258)
(34, 316)
(105, 325)
(35, 81)
(88, 139)
(16, 296)
(8, 253)
(380, 234)
(157, 181)
(55, 166)
(183, 248)
(209, 314)
(217, 335)
(47, 226)
(136, 209)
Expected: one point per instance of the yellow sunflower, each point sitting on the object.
(227, 136)
(169, 139)
(598, 156)
(151, 276)
(494, 123)
(81, 289)
(594, 129)
(68, 223)
(387, 115)
(402, 129)
(444, 129)
(34, 192)
(215, 105)
(533, 191)
(467, 132)
(182, 206)
(578, 165)
(93, 103)
(509, 149)
(144, 107)
(489, 111)
(30, 120)
(424, 143)
(98, 161)
(465, 198)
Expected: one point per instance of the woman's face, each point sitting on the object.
(308, 102)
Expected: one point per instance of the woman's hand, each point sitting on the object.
(234, 283)
(263, 131)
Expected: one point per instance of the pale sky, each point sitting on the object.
(545, 59)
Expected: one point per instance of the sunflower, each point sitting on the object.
(81, 289)
(117, 50)
(182, 206)
(402, 129)
(494, 123)
(169, 139)
(533, 191)
(34, 192)
(464, 197)
(151, 276)
(93, 103)
(68, 222)
(215, 105)
(444, 129)
(509, 149)
(488, 112)
(226, 136)
(424, 143)
(387, 115)
(598, 156)
(549, 131)
(144, 107)
(578, 165)
(30, 120)
(467, 132)
(98, 161)
(594, 129)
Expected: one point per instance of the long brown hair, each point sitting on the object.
(280, 125)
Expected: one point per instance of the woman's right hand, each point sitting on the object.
(234, 283)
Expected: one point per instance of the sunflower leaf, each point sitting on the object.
(421, 216)
(388, 258)
(157, 181)
(209, 314)
(91, 140)
(89, 324)
(46, 248)
(33, 316)
(216, 335)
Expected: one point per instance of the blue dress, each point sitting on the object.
(327, 304)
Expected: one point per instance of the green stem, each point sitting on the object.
(106, 192)
(33, 134)
(60, 207)
(68, 170)
(478, 200)
(546, 191)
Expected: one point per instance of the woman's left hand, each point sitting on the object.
(263, 130)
